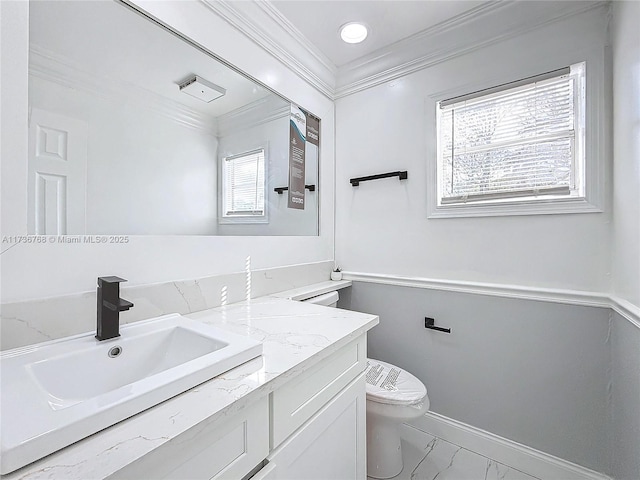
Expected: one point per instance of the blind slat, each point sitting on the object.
(505, 86)
(541, 139)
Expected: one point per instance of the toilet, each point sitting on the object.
(394, 396)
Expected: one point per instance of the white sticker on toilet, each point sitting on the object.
(375, 376)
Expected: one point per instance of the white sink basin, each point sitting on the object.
(56, 393)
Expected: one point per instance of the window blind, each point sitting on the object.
(516, 140)
(244, 184)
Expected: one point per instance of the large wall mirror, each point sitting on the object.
(134, 131)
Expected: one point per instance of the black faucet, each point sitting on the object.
(109, 307)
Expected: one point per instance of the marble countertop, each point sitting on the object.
(295, 336)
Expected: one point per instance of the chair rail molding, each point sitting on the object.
(624, 308)
(253, 114)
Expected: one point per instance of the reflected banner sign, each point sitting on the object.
(297, 140)
(304, 140)
(313, 131)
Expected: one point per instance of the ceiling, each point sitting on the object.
(104, 38)
(389, 21)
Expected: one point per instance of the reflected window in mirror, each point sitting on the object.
(243, 187)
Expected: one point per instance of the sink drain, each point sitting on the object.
(115, 351)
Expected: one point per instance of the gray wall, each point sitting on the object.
(625, 398)
(530, 371)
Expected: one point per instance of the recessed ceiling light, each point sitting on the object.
(353, 32)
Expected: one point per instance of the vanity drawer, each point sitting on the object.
(302, 397)
(226, 449)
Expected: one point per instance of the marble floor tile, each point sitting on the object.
(414, 444)
(446, 461)
(414, 447)
(498, 471)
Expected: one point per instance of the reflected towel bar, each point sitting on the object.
(311, 188)
(402, 175)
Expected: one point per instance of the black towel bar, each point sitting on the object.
(311, 188)
(402, 175)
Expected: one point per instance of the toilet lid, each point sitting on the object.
(389, 384)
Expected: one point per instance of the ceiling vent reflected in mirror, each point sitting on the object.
(201, 89)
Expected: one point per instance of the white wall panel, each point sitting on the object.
(626, 149)
(625, 399)
(382, 225)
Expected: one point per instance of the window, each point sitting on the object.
(243, 186)
(518, 143)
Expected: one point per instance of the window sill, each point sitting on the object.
(533, 207)
(243, 221)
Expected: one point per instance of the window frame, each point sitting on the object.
(595, 148)
(242, 219)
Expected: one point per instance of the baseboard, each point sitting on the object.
(527, 459)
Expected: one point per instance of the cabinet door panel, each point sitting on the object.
(332, 444)
(220, 455)
(302, 397)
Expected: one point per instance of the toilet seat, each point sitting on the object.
(392, 385)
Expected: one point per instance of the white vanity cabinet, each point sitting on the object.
(312, 427)
(318, 426)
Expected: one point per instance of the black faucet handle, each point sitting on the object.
(113, 284)
(125, 305)
(110, 280)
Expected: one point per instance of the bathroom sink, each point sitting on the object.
(58, 392)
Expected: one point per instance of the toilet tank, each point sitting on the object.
(328, 299)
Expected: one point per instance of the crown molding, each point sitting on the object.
(52, 67)
(269, 30)
(413, 48)
(297, 36)
(261, 111)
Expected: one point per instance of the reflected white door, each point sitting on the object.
(57, 174)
